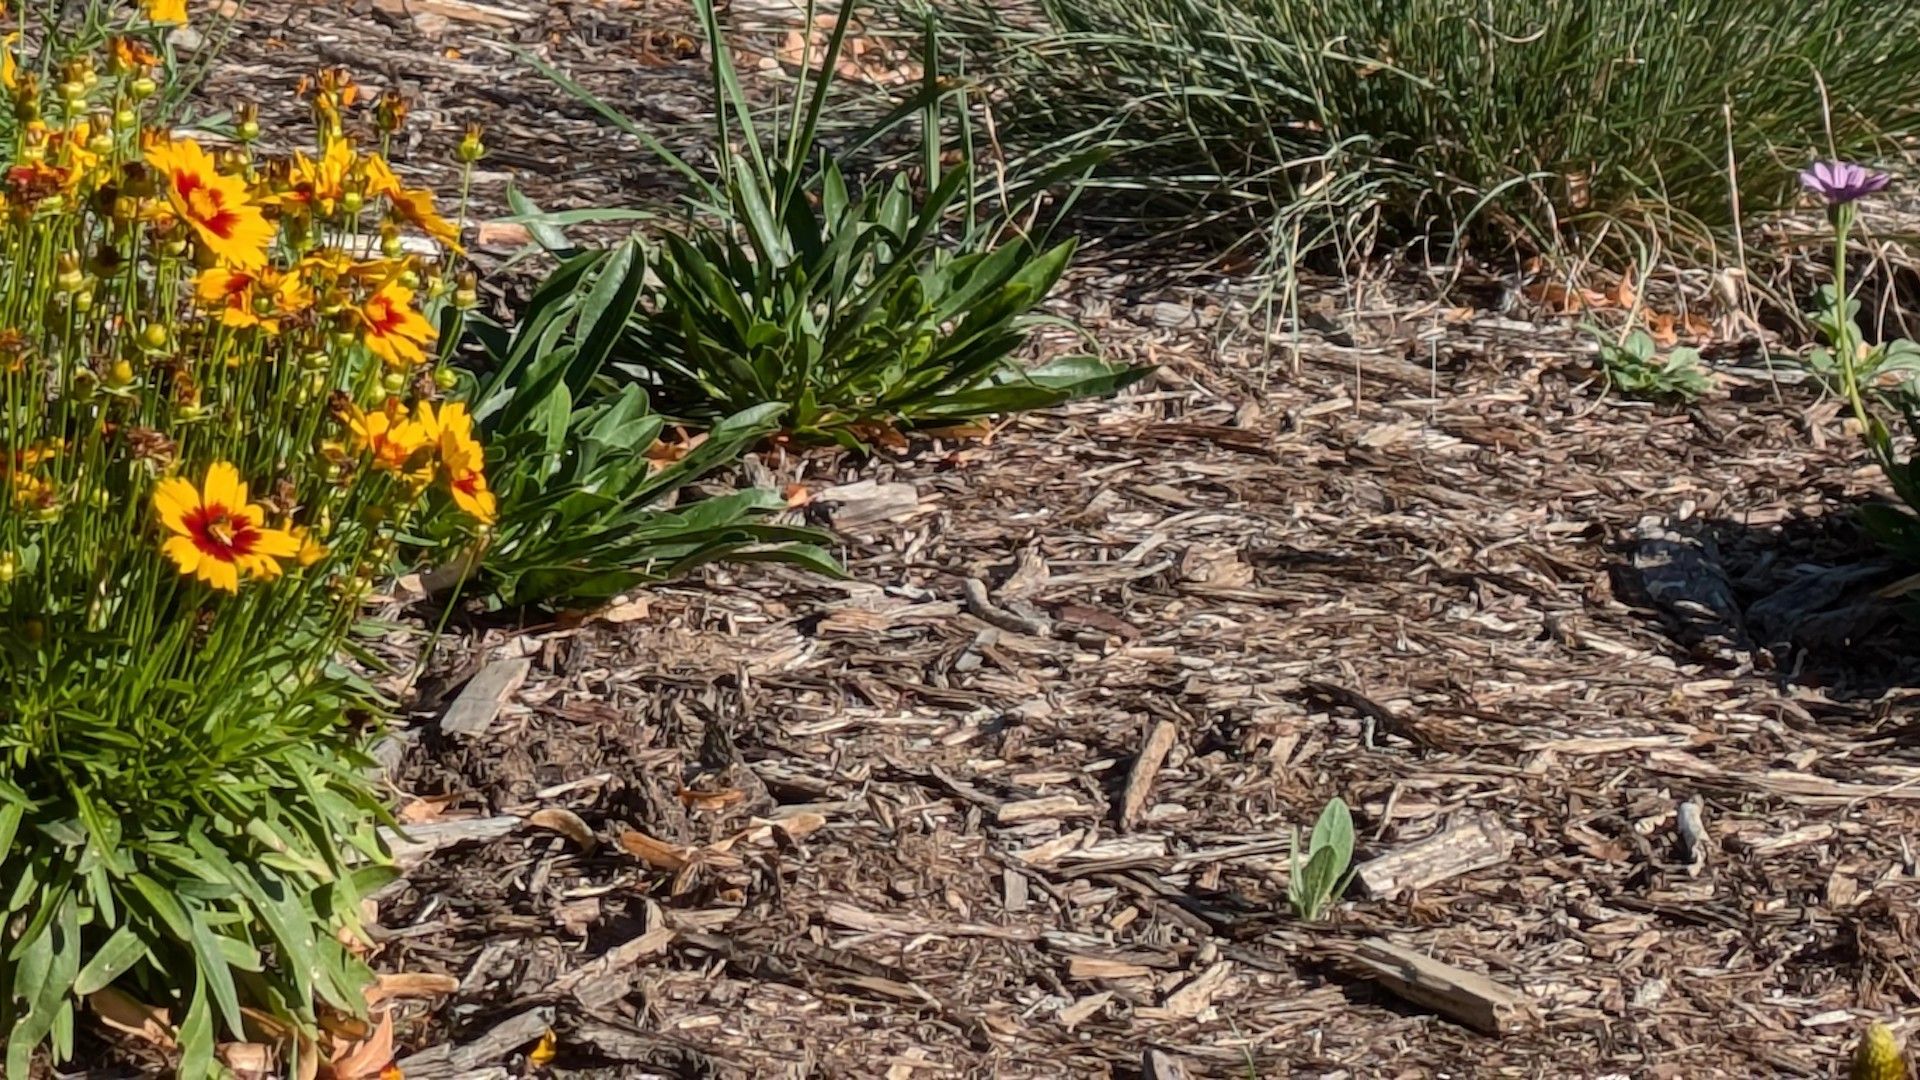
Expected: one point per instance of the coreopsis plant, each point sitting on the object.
(219, 414)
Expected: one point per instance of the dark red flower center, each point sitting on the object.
(383, 316)
(205, 205)
(220, 533)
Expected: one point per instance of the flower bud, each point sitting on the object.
(9, 567)
(409, 278)
(471, 149)
(120, 375)
(246, 121)
(154, 336)
(466, 293)
(390, 112)
(126, 119)
(142, 88)
(68, 277)
(351, 201)
(393, 382)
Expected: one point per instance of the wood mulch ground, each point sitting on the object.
(1608, 686)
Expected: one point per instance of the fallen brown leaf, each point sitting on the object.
(367, 1057)
(566, 823)
(123, 1014)
(711, 800)
(248, 1060)
(422, 810)
(655, 853)
(410, 984)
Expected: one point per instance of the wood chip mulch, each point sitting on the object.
(1611, 689)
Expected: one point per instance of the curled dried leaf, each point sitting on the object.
(123, 1014)
(566, 823)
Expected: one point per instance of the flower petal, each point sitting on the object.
(276, 544)
(223, 487)
(221, 575)
(173, 499)
(183, 553)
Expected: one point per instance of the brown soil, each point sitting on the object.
(1422, 575)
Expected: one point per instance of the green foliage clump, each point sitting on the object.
(1635, 367)
(850, 310)
(587, 512)
(1533, 122)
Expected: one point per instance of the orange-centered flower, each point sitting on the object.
(217, 206)
(217, 534)
(462, 460)
(395, 332)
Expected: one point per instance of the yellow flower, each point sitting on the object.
(252, 297)
(311, 549)
(388, 437)
(165, 11)
(462, 460)
(217, 534)
(318, 184)
(30, 490)
(411, 205)
(9, 67)
(228, 223)
(393, 331)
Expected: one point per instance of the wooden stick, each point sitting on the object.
(1465, 996)
(1470, 843)
(1145, 768)
(484, 696)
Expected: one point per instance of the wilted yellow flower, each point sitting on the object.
(1877, 1057)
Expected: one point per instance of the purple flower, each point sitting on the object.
(1842, 182)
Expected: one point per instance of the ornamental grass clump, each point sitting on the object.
(219, 416)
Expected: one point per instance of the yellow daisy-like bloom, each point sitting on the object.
(217, 206)
(411, 205)
(217, 534)
(318, 184)
(165, 11)
(463, 461)
(247, 298)
(393, 331)
(389, 438)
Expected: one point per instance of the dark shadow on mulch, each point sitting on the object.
(1812, 601)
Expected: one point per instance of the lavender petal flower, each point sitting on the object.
(1842, 182)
